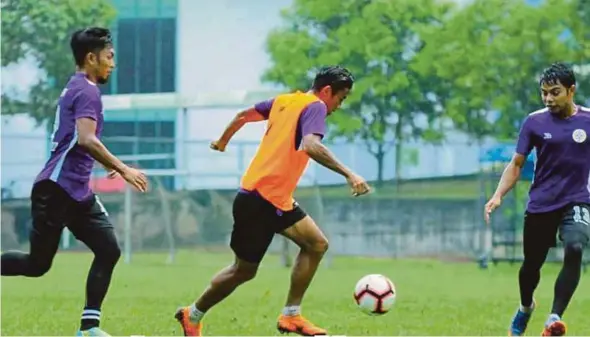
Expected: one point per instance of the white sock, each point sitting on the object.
(292, 310)
(527, 310)
(195, 314)
(552, 318)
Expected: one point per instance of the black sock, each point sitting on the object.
(90, 318)
(568, 278)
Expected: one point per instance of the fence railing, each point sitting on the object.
(23, 156)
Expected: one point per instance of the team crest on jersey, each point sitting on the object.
(579, 135)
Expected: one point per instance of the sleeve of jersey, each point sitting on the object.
(313, 119)
(86, 104)
(264, 107)
(524, 145)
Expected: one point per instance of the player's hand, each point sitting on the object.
(218, 145)
(136, 179)
(491, 205)
(358, 185)
(112, 174)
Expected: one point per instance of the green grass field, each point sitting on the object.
(434, 298)
(452, 188)
(435, 189)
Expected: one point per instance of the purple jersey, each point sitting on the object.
(562, 169)
(69, 164)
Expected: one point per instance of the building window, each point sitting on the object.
(145, 52)
(119, 137)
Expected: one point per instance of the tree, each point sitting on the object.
(378, 41)
(580, 36)
(41, 29)
(491, 52)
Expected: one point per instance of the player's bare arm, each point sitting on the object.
(312, 145)
(510, 175)
(86, 128)
(241, 118)
(512, 171)
(509, 178)
(111, 174)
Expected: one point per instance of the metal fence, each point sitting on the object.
(189, 207)
(24, 155)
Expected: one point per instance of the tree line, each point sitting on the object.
(426, 66)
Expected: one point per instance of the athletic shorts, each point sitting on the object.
(53, 209)
(571, 222)
(256, 221)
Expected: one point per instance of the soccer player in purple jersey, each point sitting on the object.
(61, 194)
(559, 197)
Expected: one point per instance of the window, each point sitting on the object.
(127, 53)
(168, 60)
(145, 50)
(118, 137)
(106, 88)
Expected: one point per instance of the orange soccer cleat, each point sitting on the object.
(299, 325)
(189, 328)
(554, 328)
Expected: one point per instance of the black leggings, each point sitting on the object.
(539, 236)
(52, 209)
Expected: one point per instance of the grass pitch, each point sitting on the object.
(434, 298)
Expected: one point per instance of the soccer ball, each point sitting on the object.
(374, 294)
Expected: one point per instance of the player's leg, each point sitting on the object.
(221, 286)
(313, 245)
(251, 236)
(574, 232)
(92, 227)
(48, 210)
(538, 237)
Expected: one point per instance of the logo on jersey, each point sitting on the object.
(579, 135)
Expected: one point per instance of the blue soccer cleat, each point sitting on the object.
(92, 332)
(520, 321)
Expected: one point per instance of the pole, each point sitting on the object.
(128, 220)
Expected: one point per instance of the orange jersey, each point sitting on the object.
(278, 165)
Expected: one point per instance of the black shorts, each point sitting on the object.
(53, 209)
(569, 223)
(255, 223)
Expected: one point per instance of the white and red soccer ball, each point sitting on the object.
(375, 294)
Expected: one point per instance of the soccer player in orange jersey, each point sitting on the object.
(264, 204)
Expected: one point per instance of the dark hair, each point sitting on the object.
(89, 40)
(558, 73)
(339, 78)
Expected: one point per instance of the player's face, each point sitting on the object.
(106, 64)
(102, 64)
(556, 97)
(332, 99)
